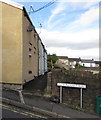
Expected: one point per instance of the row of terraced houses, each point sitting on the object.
(24, 56)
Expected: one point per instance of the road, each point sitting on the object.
(9, 111)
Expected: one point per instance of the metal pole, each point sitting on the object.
(81, 97)
(61, 94)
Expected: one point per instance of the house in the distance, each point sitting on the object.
(73, 62)
(88, 63)
(62, 62)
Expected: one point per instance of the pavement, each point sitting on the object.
(45, 104)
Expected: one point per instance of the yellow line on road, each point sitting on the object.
(36, 115)
(23, 113)
(7, 108)
(4, 106)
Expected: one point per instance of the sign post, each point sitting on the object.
(72, 85)
(61, 94)
(81, 98)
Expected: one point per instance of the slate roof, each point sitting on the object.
(74, 59)
(87, 61)
(97, 62)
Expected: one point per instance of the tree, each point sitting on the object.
(79, 66)
(100, 64)
(51, 60)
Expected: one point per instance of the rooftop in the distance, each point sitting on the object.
(87, 60)
(74, 59)
(97, 62)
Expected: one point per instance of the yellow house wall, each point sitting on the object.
(0, 41)
(29, 63)
(11, 44)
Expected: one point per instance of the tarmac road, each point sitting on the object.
(9, 111)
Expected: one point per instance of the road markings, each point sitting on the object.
(4, 106)
(23, 112)
(7, 108)
(36, 115)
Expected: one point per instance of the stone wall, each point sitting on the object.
(71, 96)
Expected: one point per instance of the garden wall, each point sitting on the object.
(71, 96)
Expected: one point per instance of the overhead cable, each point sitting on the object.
(47, 5)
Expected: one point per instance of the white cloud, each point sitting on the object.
(86, 19)
(59, 8)
(73, 44)
(89, 53)
(89, 16)
(83, 5)
(73, 40)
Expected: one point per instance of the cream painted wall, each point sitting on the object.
(29, 63)
(15, 41)
(11, 44)
(0, 41)
(41, 59)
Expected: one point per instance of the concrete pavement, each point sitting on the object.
(45, 104)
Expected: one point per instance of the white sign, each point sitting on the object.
(71, 85)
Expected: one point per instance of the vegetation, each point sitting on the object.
(100, 64)
(51, 60)
(79, 66)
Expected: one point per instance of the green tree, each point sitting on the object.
(51, 60)
(78, 65)
(100, 64)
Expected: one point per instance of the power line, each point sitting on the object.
(47, 5)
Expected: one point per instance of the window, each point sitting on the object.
(30, 72)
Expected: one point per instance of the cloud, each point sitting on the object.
(68, 11)
(83, 4)
(58, 9)
(72, 40)
(85, 20)
(89, 53)
(89, 16)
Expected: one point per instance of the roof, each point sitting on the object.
(74, 59)
(62, 57)
(97, 62)
(14, 4)
(87, 60)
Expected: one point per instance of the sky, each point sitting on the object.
(68, 28)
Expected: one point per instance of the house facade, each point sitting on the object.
(88, 63)
(22, 48)
(73, 62)
(63, 62)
